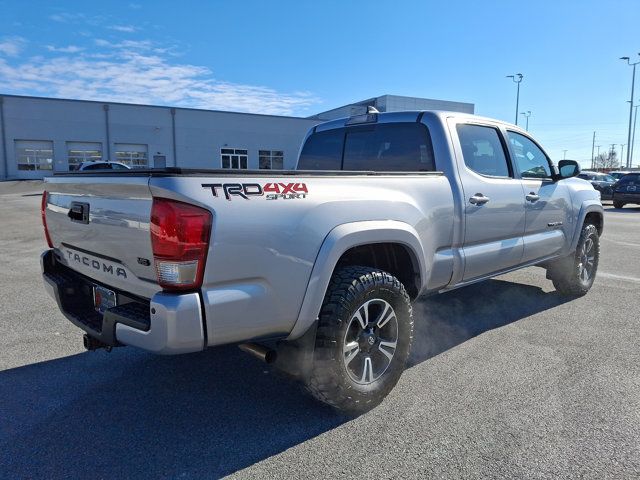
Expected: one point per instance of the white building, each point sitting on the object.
(39, 136)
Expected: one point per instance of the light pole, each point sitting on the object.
(595, 164)
(517, 78)
(633, 137)
(633, 81)
(622, 150)
(527, 114)
(564, 154)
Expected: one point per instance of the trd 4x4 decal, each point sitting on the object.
(272, 191)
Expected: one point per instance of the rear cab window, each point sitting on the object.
(384, 147)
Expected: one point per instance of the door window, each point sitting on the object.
(482, 150)
(529, 159)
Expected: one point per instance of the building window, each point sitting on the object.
(131, 154)
(34, 155)
(234, 158)
(78, 152)
(271, 159)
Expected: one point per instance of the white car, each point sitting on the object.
(102, 166)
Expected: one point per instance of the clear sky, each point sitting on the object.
(301, 57)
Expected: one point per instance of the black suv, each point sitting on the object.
(627, 190)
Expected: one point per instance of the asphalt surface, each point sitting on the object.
(507, 380)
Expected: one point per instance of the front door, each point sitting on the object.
(548, 204)
(494, 211)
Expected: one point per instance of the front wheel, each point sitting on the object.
(363, 339)
(575, 274)
(618, 204)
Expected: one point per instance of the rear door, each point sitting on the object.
(547, 202)
(494, 212)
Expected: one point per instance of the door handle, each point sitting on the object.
(79, 212)
(478, 199)
(532, 197)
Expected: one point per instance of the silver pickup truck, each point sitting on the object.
(317, 267)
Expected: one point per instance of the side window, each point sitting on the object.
(388, 147)
(482, 150)
(630, 179)
(98, 166)
(530, 160)
(322, 151)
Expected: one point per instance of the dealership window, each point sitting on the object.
(234, 158)
(78, 152)
(34, 155)
(271, 159)
(131, 154)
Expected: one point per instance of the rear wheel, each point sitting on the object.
(574, 275)
(618, 204)
(363, 339)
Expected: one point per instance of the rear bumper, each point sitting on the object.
(167, 324)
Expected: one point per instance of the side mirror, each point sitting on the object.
(568, 169)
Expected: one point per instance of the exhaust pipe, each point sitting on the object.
(267, 355)
(92, 344)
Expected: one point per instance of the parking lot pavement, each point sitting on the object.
(507, 380)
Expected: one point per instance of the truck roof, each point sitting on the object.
(412, 116)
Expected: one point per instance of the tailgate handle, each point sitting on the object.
(79, 212)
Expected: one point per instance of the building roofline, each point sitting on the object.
(168, 107)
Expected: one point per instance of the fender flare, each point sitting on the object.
(336, 243)
(587, 207)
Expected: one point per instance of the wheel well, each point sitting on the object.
(393, 258)
(596, 219)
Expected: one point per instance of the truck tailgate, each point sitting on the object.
(99, 226)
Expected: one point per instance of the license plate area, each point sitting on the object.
(103, 298)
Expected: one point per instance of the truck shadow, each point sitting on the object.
(446, 320)
(129, 414)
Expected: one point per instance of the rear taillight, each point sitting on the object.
(180, 240)
(43, 214)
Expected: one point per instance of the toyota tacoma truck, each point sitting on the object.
(317, 267)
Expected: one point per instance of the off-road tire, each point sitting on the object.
(349, 289)
(618, 204)
(566, 273)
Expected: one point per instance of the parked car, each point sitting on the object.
(627, 190)
(602, 182)
(317, 268)
(102, 166)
